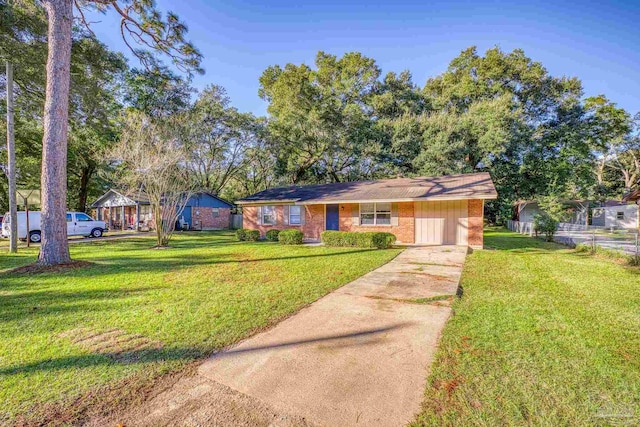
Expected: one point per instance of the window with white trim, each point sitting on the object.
(295, 213)
(620, 216)
(269, 215)
(215, 212)
(375, 213)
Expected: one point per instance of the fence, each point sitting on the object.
(236, 221)
(623, 240)
(521, 227)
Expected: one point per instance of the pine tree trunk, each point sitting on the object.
(55, 247)
(11, 163)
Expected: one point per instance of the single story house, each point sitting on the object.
(445, 210)
(577, 210)
(132, 211)
(616, 216)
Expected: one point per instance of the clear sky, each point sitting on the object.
(597, 41)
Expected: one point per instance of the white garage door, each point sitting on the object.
(441, 223)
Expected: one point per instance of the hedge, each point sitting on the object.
(372, 239)
(272, 235)
(252, 235)
(244, 234)
(290, 237)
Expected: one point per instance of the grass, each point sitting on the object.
(180, 304)
(543, 335)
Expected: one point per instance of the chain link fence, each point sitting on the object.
(624, 241)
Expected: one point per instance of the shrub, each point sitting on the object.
(241, 234)
(272, 235)
(252, 235)
(545, 224)
(373, 239)
(290, 237)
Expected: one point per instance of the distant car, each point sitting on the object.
(78, 224)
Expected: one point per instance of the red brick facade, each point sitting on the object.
(475, 223)
(207, 219)
(404, 231)
(312, 227)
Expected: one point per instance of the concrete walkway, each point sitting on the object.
(358, 356)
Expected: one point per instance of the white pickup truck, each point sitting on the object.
(78, 224)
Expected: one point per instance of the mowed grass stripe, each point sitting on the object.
(543, 335)
(201, 295)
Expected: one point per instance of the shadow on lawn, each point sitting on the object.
(140, 264)
(521, 244)
(46, 303)
(96, 359)
(356, 338)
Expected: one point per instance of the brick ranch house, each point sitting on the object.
(445, 210)
(122, 211)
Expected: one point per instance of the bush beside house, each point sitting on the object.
(372, 239)
(252, 235)
(290, 237)
(272, 235)
(244, 235)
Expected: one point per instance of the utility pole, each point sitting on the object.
(11, 154)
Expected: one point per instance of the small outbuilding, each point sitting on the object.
(132, 211)
(620, 216)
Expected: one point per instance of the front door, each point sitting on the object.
(333, 218)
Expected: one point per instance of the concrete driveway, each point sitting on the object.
(358, 356)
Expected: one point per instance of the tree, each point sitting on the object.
(11, 163)
(320, 121)
(157, 92)
(218, 137)
(150, 158)
(141, 22)
(607, 128)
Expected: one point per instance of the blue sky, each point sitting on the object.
(599, 42)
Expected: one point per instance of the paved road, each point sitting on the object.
(358, 356)
(584, 237)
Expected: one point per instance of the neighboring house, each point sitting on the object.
(446, 210)
(616, 216)
(120, 210)
(578, 210)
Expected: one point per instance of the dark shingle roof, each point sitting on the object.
(463, 186)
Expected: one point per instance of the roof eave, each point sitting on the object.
(345, 201)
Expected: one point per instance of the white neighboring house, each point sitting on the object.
(617, 216)
(78, 224)
(526, 211)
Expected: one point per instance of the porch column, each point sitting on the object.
(110, 217)
(137, 228)
(123, 219)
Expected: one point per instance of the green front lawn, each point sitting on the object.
(135, 313)
(543, 335)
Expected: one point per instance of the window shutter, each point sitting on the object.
(303, 214)
(285, 214)
(394, 214)
(355, 214)
(259, 211)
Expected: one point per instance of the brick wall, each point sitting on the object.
(204, 219)
(476, 223)
(404, 231)
(312, 227)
